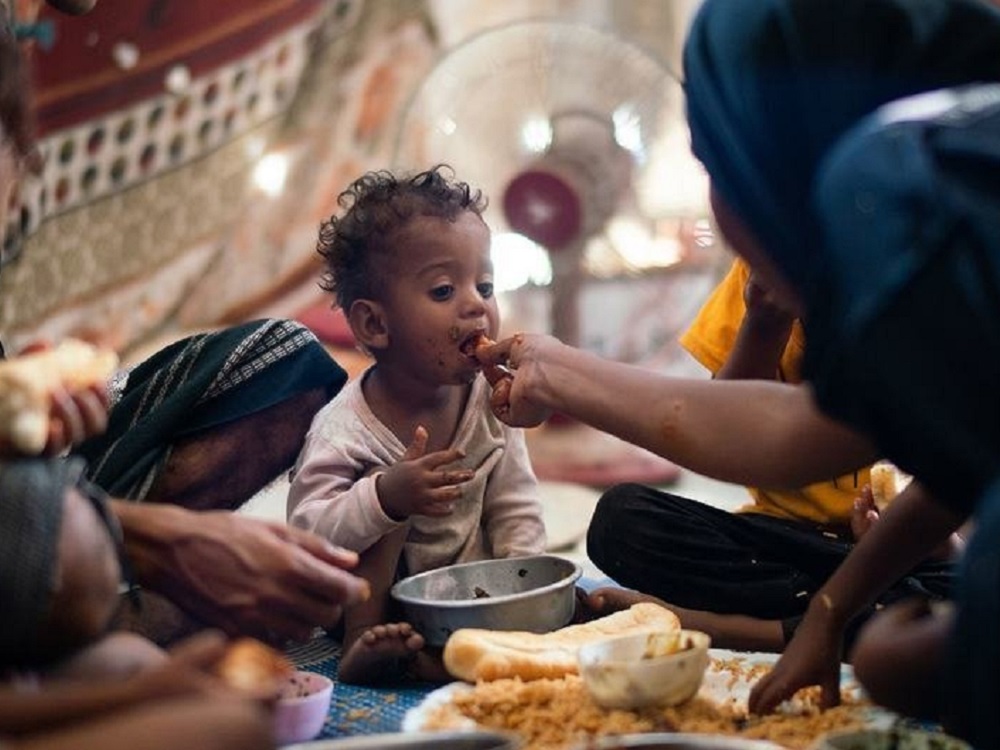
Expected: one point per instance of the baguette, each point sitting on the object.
(475, 655)
(28, 381)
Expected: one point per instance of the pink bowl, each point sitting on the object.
(302, 707)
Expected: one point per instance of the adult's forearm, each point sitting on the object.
(753, 432)
(148, 530)
(22, 713)
(905, 534)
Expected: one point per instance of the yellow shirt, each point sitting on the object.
(709, 339)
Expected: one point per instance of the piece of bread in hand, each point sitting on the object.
(472, 654)
(498, 376)
(27, 382)
(254, 668)
(886, 482)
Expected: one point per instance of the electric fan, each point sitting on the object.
(572, 132)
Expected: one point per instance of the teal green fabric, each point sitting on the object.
(201, 382)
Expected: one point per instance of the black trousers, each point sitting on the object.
(700, 557)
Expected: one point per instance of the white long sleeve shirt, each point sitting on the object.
(333, 485)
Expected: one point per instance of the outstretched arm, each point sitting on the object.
(755, 433)
(240, 574)
(912, 526)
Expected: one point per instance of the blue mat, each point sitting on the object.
(369, 710)
(357, 710)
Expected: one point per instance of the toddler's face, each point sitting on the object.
(85, 596)
(439, 293)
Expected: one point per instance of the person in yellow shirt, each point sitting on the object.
(742, 334)
(745, 577)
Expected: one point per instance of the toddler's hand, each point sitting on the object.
(419, 485)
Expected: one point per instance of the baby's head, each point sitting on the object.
(61, 572)
(358, 245)
(408, 261)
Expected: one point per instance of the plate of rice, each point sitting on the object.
(559, 714)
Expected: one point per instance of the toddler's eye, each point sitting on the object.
(442, 293)
(485, 289)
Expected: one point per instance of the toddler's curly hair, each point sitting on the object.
(356, 245)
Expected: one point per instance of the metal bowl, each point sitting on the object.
(536, 593)
(473, 740)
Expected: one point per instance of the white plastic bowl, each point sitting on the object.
(302, 707)
(622, 673)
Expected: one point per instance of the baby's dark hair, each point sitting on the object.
(354, 245)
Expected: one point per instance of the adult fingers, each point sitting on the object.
(499, 353)
(66, 423)
(327, 583)
(316, 545)
(770, 690)
(200, 650)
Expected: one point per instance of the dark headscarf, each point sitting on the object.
(201, 382)
(772, 84)
(909, 205)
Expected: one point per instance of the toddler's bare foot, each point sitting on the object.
(428, 666)
(380, 653)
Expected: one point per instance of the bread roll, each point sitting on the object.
(28, 381)
(472, 654)
(253, 667)
(886, 482)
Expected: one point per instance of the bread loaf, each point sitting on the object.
(472, 654)
(28, 381)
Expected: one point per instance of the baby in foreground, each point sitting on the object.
(408, 465)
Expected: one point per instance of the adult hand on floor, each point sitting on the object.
(242, 575)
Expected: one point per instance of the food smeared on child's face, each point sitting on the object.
(439, 294)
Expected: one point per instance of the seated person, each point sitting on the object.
(407, 465)
(67, 678)
(205, 423)
(746, 577)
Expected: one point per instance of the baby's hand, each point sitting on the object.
(418, 485)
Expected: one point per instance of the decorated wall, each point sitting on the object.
(189, 151)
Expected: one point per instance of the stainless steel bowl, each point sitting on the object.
(535, 593)
(473, 740)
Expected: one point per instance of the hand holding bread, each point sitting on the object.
(31, 384)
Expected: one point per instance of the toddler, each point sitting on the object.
(407, 465)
